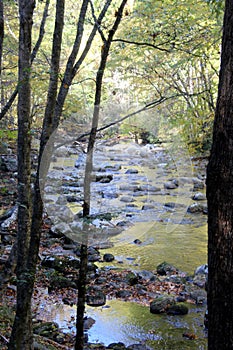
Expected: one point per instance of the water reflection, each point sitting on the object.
(131, 323)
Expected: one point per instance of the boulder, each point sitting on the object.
(123, 293)
(197, 208)
(177, 309)
(131, 278)
(161, 304)
(165, 268)
(108, 257)
(199, 196)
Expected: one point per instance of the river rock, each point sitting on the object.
(127, 199)
(103, 178)
(45, 328)
(146, 275)
(148, 207)
(197, 184)
(171, 185)
(199, 196)
(131, 278)
(202, 269)
(8, 164)
(131, 171)
(161, 304)
(57, 281)
(123, 293)
(165, 268)
(60, 263)
(196, 208)
(9, 217)
(199, 295)
(177, 309)
(116, 346)
(108, 257)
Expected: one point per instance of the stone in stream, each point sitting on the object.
(178, 309)
(148, 207)
(197, 184)
(171, 185)
(161, 304)
(199, 196)
(8, 163)
(197, 208)
(103, 178)
(131, 171)
(108, 257)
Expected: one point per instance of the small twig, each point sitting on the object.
(4, 338)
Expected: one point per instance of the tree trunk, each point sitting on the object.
(29, 228)
(21, 337)
(79, 344)
(72, 67)
(220, 202)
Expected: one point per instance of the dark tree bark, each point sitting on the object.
(21, 337)
(29, 228)
(220, 202)
(72, 67)
(79, 344)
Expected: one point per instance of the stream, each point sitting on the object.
(155, 196)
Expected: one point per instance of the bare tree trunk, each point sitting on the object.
(79, 344)
(220, 202)
(21, 337)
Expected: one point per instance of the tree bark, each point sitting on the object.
(79, 343)
(72, 67)
(21, 336)
(220, 202)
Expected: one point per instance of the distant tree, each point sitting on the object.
(220, 202)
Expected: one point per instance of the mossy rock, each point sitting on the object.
(161, 304)
(132, 278)
(165, 268)
(178, 309)
(57, 281)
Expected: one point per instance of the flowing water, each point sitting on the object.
(152, 213)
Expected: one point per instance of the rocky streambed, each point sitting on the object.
(148, 210)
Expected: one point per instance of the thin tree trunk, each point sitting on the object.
(72, 67)
(21, 336)
(220, 202)
(79, 344)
